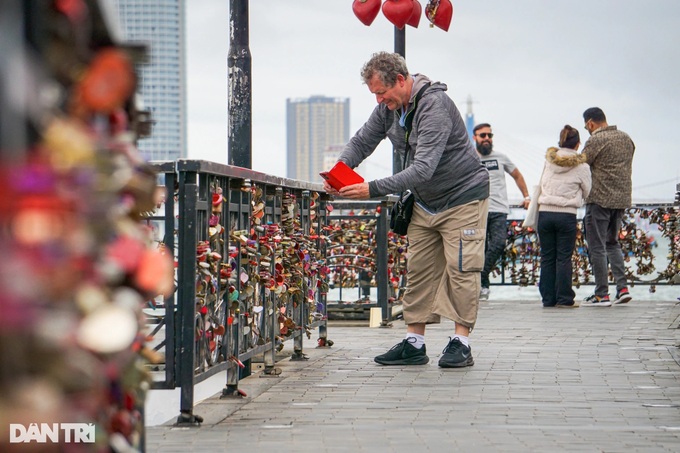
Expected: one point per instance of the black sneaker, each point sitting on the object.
(597, 301)
(403, 353)
(456, 355)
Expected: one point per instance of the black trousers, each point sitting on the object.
(557, 234)
(496, 239)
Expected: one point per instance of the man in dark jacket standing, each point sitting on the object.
(609, 152)
(451, 186)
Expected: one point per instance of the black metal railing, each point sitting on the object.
(649, 241)
(251, 273)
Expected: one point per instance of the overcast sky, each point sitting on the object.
(531, 66)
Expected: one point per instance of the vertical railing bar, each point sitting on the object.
(381, 265)
(188, 194)
(171, 364)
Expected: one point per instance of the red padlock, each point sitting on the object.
(366, 10)
(414, 20)
(398, 11)
(440, 12)
(108, 82)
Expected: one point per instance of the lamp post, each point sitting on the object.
(400, 41)
(400, 48)
(239, 77)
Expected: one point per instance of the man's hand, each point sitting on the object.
(329, 189)
(356, 191)
(526, 203)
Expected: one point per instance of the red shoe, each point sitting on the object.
(622, 296)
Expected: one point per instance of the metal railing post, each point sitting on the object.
(382, 281)
(186, 296)
(298, 311)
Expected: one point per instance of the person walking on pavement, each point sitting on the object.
(498, 165)
(609, 152)
(447, 229)
(565, 183)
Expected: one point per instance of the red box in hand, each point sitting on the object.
(341, 175)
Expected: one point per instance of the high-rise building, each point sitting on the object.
(159, 24)
(314, 125)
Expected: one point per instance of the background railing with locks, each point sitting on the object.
(250, 274)
(363, 253)
(649, 239)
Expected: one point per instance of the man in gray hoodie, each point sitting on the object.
(451, 187)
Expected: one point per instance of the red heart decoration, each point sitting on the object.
(366, 10)
(440, 15)
(398, 11)
(414, 20)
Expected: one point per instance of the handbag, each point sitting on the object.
(400, 217)
(531, 219)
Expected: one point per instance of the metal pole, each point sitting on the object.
(14, 140)
(400, 41)
(381, 280)
(239, 87)
(400, 48)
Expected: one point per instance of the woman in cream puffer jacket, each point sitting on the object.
(565, 184)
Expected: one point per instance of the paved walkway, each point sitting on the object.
(544, 380)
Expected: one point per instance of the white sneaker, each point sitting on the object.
(484, 294)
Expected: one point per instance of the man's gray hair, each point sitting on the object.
(387, 66)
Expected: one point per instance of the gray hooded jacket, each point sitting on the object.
(443, 168)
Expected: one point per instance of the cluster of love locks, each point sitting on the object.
(281, 267)
(521, 261)
(79, 263)
(352, 249)
(270, 267)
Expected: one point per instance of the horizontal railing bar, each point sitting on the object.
(213, 370)
(202, 166)
(252, 352)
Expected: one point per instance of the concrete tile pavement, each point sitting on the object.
(587, 379)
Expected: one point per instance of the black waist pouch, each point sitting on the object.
(402, 212)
